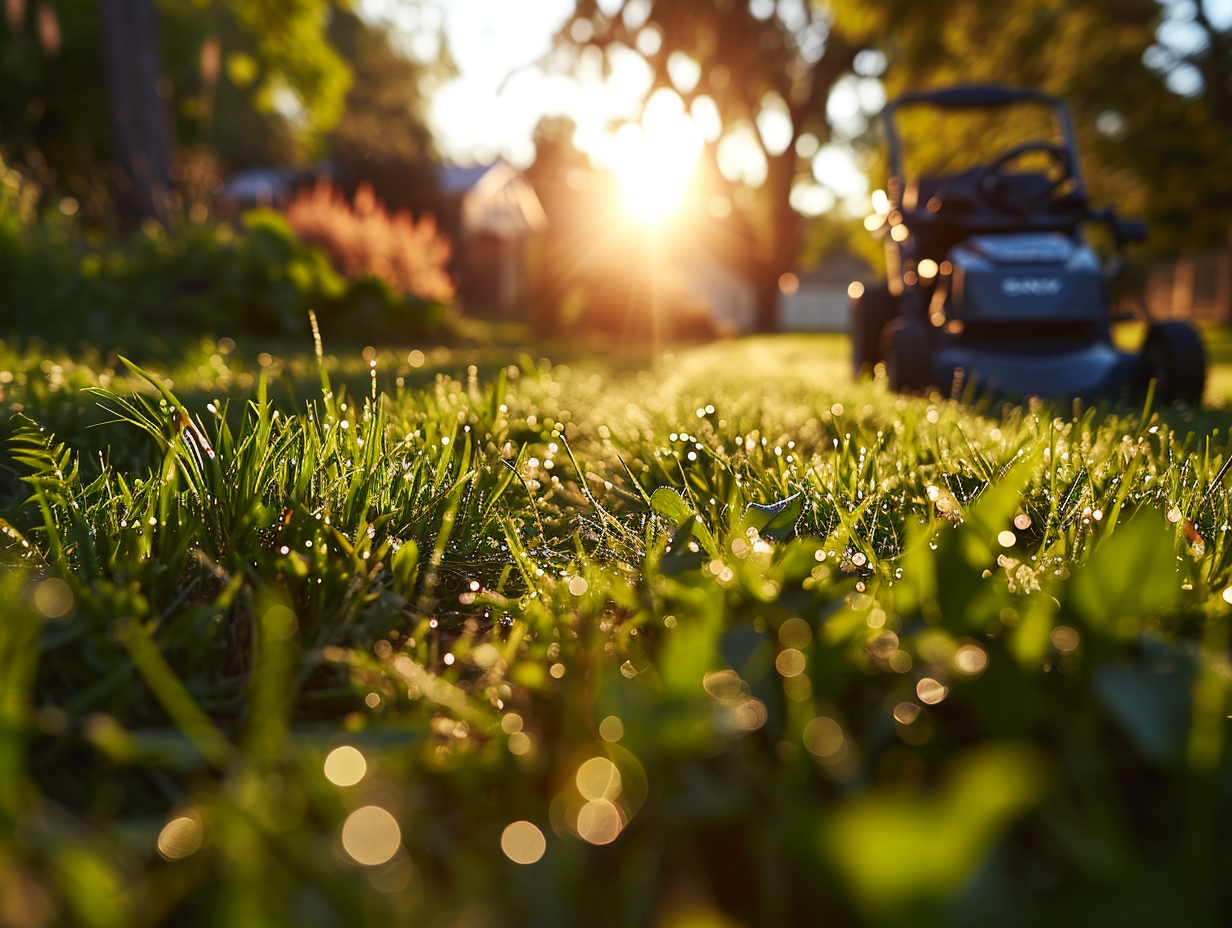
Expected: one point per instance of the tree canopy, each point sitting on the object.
(766, 72)
(1148, 84)
(253, 80)
(1145, 81)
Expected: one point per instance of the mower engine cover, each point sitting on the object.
(1026, 277)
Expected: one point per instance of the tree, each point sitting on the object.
(383, 137)
(1190, 152)
(53, 109)
(139, 138)
(573, 193)
(1149, 84)
(1088, 52)
(274, 81)
(757, 62)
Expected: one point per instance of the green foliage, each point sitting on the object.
(293, 48)
(202, 277)
(54, 106)
(53, 109)
(742, 648)
(946, 836)
(18, 201)
(386, 119)
(1147, 149)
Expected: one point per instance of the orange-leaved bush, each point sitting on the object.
(409, 256)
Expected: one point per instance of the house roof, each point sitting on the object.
(458, 180)
(500, 202)
(271, 185)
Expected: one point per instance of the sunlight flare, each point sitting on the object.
(655, 159)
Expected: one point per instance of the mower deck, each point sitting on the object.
(1095, 372)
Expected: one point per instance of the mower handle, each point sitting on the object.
(973, 95)
(976, 96)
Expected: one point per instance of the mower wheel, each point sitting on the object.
(907, 358)
(870, 312)
(1173, 357)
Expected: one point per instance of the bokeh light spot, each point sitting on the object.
(970, 658)
(280, 622)
(906, 712)
(53, 598)
(931, 691)
(523, 842)
(1065, 639)
(180, 837)
(744, 715)
(790, 662)
(795, 633)
(345, 766)
(599, 822)
(371, 836)
(611, 729)
(519, 743)
(823, 737)
(723, 685)
(598, 778)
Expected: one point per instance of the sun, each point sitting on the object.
(654, 184)
(655, 159)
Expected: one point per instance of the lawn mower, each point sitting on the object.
(992, 283)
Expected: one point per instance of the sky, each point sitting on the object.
(500, 94)
(492, 106)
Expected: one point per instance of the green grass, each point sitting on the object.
(746, 642)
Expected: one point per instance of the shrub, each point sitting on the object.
(365, 240)
(18, 200)
(201, 278)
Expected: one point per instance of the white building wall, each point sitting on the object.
(817, 309)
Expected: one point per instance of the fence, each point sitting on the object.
(1197, 286)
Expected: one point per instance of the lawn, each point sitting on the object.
(468, 636)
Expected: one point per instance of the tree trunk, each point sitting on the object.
(767, 288)
(138, 125)
(779, 249)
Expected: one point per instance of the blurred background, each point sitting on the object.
(221, 166)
